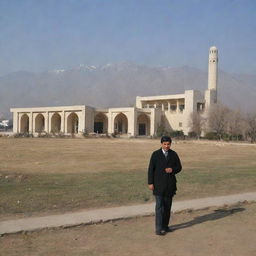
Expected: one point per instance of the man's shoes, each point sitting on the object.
(167, 230)
(160, 233)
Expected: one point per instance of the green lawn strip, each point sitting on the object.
(66, 192)
(204, 182)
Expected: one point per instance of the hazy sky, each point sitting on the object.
(40, 35)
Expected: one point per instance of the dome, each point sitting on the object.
(213, 48)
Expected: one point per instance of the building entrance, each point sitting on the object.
(142, 129)
(98, 127)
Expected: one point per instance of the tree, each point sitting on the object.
(251, 126)
(235, 124)
(196, 123)
(218, 119)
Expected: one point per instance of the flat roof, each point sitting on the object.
(162, 97)
(55, 108)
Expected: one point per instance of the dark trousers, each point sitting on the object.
(163, 212)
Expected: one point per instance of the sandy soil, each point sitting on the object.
(212, 232)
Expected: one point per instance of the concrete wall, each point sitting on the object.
(192, 97)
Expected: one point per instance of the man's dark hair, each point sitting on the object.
(166, 139)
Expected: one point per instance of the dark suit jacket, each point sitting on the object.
(164, 183)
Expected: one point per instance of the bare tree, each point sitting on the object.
(235, 124)
(196, 123)
(251, 126)
(218, 119)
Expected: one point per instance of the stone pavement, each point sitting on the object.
(114, 213)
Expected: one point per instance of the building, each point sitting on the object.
(171, 111)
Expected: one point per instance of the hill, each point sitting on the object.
(117, 85)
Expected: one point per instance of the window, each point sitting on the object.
(182, 106)
(180, 124)
(200, 107)
(173, 107)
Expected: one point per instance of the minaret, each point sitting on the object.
(213, 68)
(211, 93)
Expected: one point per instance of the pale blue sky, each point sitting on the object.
(40, 35)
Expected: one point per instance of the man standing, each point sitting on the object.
(163, 166)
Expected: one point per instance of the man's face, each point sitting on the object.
(166, 145)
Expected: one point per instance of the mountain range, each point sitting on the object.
(117, 85)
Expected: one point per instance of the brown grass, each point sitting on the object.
(99, 155)
(44, 175)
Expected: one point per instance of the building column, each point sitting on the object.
(30, 118)
(65, 115)
(178, 106)
(15, 122)
(169, 106)
(46, 122)
(81, 122)
(111, 124)
(162, 106)
(62, 122)
(50, 114)
(132, 123)
(152, 123)
(34, 122)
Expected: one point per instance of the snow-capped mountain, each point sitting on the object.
(116, 85)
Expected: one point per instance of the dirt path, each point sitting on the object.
(222, 231)
(115, 213)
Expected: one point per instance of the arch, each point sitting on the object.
(100, 123)
(143, 125)
(121, 124)
(55, 123)
(72, 123)
(39, 123)
(24, 123)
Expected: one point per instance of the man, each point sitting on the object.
(163, 166)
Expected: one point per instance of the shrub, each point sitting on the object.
(177, 134)
(192, 135)
(211, 136)
(85, 133)
(23, 135)
(161, 131)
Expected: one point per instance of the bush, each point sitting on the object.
(211, 136)
(177, 134)
(226, 137)
(44, 135)
(161, 131)
(192, 135)
(23, 135)
(85, 133)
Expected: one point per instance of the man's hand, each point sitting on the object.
(168, 170)
(151, 186)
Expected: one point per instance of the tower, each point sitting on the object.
(211, 93)
(213, 68)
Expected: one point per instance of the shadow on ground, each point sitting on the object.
(217, 214)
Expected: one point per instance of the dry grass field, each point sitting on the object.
(42, 175)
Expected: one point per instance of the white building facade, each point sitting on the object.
(171, 111)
